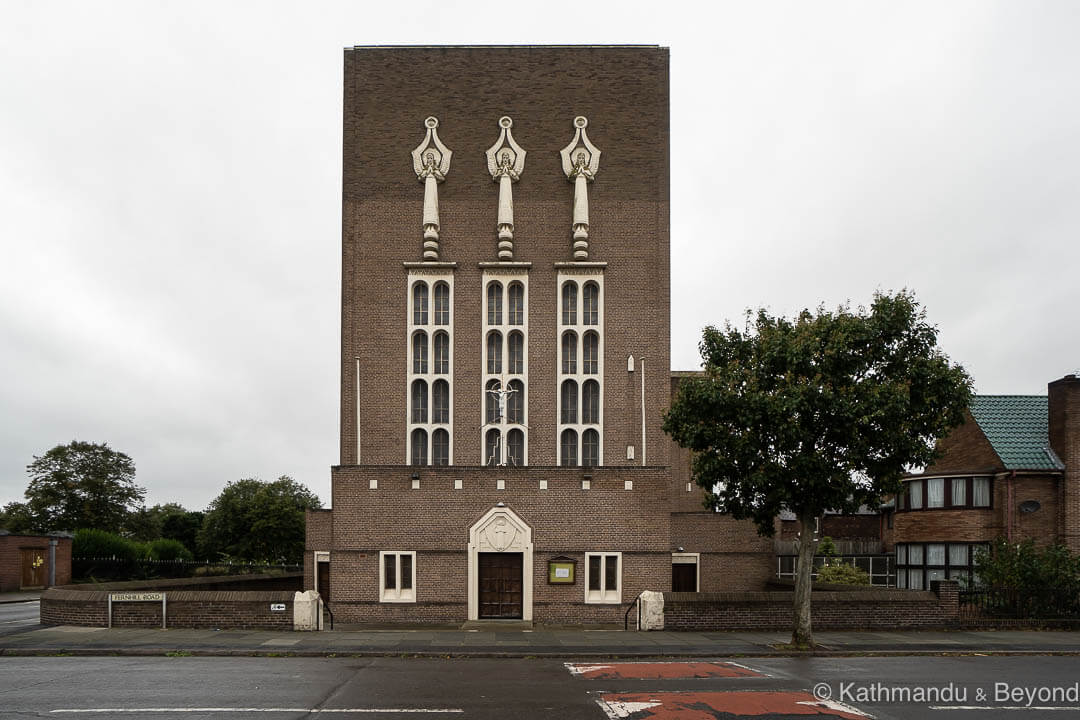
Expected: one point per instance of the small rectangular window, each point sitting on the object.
(397, 579)
(915, 488)
(980, 492)
(935, 493)
(959, 492)
(604, 583)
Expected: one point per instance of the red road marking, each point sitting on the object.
(713, 705)
(661, 670)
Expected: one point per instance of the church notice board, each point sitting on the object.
(561, 571)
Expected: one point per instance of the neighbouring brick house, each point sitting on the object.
(32, 562)
(1012, 470)
(505, 345)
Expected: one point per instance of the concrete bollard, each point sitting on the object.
(307, 610)
(652, 610)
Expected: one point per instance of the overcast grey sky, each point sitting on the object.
(170, 199)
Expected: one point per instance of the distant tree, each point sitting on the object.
(258, 521)
(824, 412)
(15, 518)
(82, 485)
(170, 521)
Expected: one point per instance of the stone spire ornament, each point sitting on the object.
(506, 161)
(431, 161)
(580, 162)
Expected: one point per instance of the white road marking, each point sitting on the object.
(615, 709)
(1004, 707)
(71, 711)
(12, 622)
(834, 705)
(582, 669)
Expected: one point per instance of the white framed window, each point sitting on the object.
(504, 429)
(397, 576)
(430, 373)
(580, 363)
(603, 577)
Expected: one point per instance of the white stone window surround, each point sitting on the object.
(430, 276)
(506, 274)
(397, 594)
(604, 595)
(580, 274)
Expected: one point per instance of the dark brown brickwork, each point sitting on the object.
(11, 558)
(318, 535)
(388, 93)
(966, 450)
(772, 611)
(184, 608)
(1064, 408)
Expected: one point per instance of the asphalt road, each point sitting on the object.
(285, 688)
(16, 617)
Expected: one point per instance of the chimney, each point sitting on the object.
(1063, 397)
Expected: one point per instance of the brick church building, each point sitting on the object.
(505, 345)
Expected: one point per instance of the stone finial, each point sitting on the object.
(431, 161)
(580, 163)
(505, 161)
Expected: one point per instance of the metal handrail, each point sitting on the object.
(327, 606)
(629, 607)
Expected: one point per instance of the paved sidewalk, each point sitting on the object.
(540, 642)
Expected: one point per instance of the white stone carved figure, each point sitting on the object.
(431, 162)
(580, 162)
(506, 161)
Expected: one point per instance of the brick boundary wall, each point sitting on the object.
(830, 610)
(189, 604)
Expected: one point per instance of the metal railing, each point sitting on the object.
(1012, 603)
(629, 607)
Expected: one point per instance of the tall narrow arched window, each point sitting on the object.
(491, 402)
(590, 448)
(442, 353)
(419, 447)
(515, 402)
(494, 353)
(420, 303)
(515, 447)
(590, 304)
(568, 447)
(590, 402)
(419, 353)
(442, 303)
(419, 401)
(491, 447)
(495, 300)
(515, 353)
(569, 402)
(440, 402)
(569, 353)
(590, 353)
(569, 303)
(440, 447)
(515, 305)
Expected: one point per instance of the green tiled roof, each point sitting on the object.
(1017, 428)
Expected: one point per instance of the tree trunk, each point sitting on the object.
(801, 636)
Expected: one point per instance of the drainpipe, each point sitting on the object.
(52, 561)
(1011, 500)
(641, 362)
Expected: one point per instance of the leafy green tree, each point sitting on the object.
(82, 485)
(1030, 581)
(15, 518)
(823, 412)
(258, 521)
(171, 521)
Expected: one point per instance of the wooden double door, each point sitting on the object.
(500, 578)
